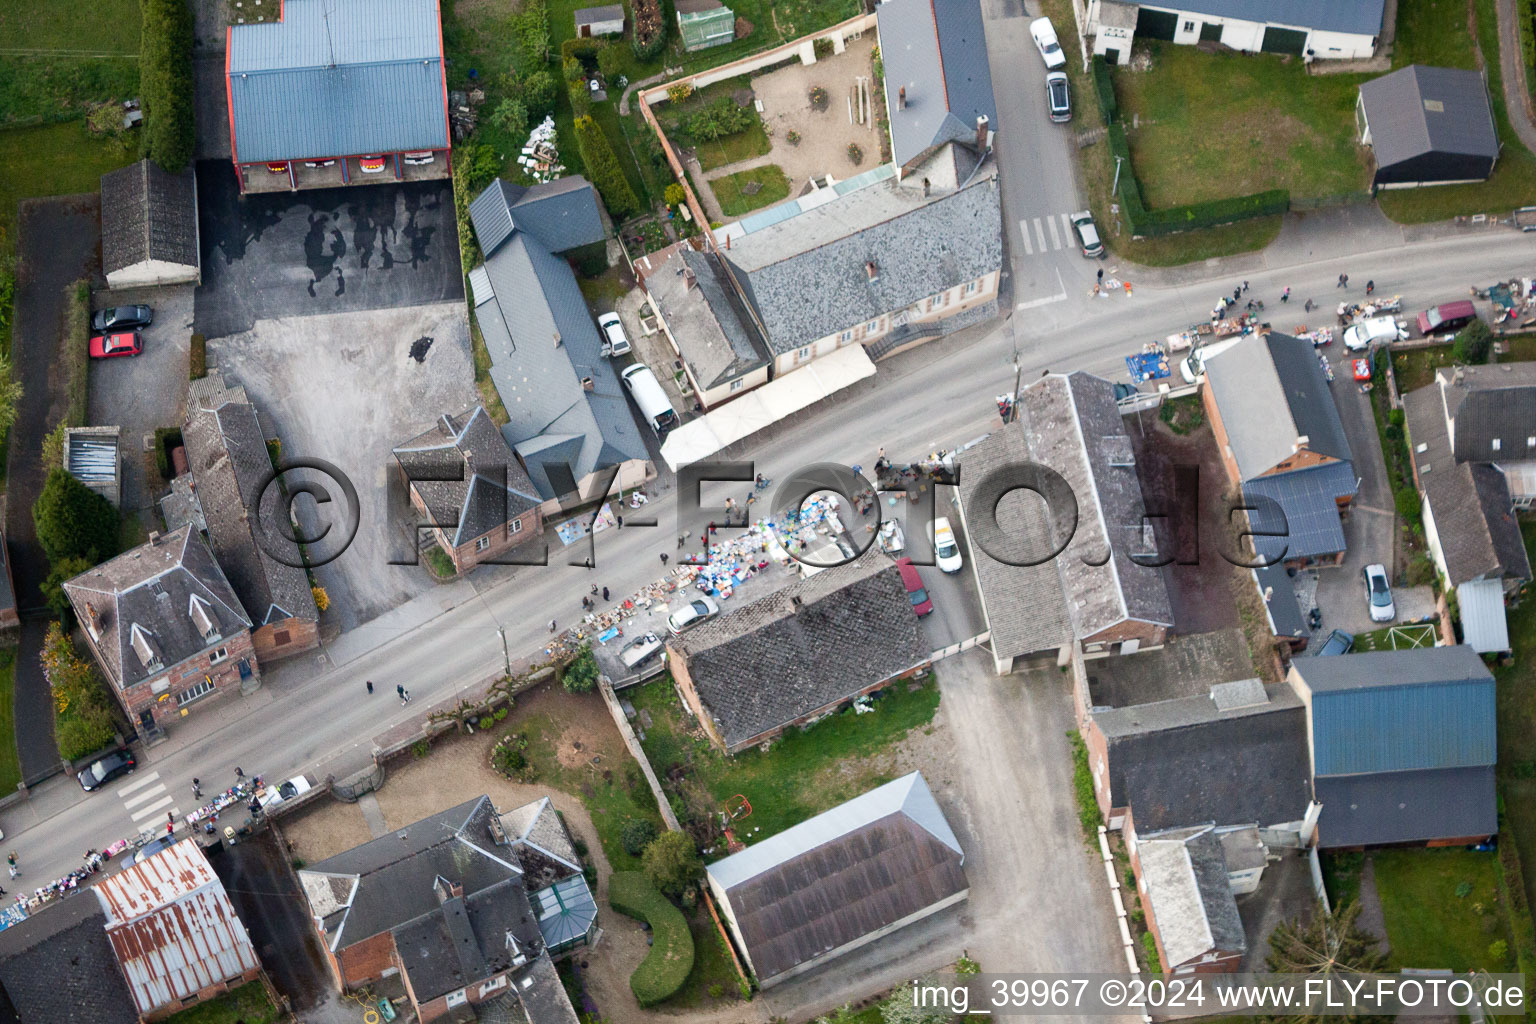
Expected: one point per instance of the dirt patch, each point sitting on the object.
(327, 828)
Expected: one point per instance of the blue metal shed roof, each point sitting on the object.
(338, 78)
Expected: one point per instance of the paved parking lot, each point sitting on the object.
(280, 254)
(344, 388)
(144, 392)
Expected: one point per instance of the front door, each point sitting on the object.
(1112, 56)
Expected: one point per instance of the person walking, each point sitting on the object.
(239, 774)
(370, 686)
(594, 589)
(605, 593)
(1307, 305)
(680, 539)
(1343, 281)
(620, 520)
(1101, 275)
(406, 695)
(400, 692)
(1236, 294)
(1285, 296)
(551, 625)
(10, 859)
(1370, 286)
(589, 563)
(663, 558)
(1245, 286)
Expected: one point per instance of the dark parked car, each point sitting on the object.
(1338, 642)
(1447, 317)
(103, 770)
(122, 318)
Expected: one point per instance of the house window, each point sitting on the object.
(218, 655)
(941, 300)
(872, 327)
(803, 354)
(482, 543)
(845, 337)
(199, 689)
(1189, 26)
(456, 998)
(971, 287)
(737, 384)
(517, 526)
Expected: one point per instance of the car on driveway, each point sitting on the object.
(922, 604)
(106, 346)
(1044, 35)
(946, 549)
(1087, 235)
(104, 769)
(1378, 593)
(1058, 96)
(122, 318)
(615, 342)
(691, 614)
(1338, 642)
(1447, 317)
(1380, 329)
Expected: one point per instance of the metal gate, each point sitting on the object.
(1156, 24)
(1283, 40)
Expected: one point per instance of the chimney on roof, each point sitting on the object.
(154, 538)
(689, 278)
(93, 621)
(446, 890)
(872, 270)
(588, 384)
(901, 98)
(557, 339)
(1301, 442)
(796, 603)
(927, 187)
(983, 132)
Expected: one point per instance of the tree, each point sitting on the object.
(610, 60)
(603, 168)
(580, 676)
(671, 863)
(636, 835)
(511, 116)
(1473, 343)
(539, 92)
(10, 395)
(74, 521)
(1327, 945)
(900, 1007)
(675, 195)
(53, 586)
(53, 446)
(165, 83)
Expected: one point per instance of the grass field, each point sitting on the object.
(248, 1004)
(10, 765)
(802, 774)
(1408, 637)
(51, 160)
(57, 59)
(712, 966)
(773, 186)
(1442, 908)
(1228, 124)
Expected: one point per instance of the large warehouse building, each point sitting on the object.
(338, 92)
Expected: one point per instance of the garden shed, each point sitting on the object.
(600, 21)
(705, 23)
(1428, 126)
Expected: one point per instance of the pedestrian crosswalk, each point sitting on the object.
(147, 798)
(1034, 232)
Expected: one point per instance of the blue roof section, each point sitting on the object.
(338, 78)
(938, 53)
(1308, 499)
(1358, 17)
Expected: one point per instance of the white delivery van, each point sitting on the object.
(647, 393)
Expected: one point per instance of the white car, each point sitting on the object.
(1192, 367)
(273, 795)
(1087, 235)
(946, 549)
(615, 342)
(1044, 35)
(1378, 594)
(691, 614)
(1366, 333)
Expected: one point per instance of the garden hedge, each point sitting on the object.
(1512, 887)
(165, 83)
(666, 967)
(1152, 223)
(603, 169)
(648, 36)
(1104, 87)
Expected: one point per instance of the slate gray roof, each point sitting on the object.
(939, 54)
(542, 343)
(1270, 390)
(464, 939)
(1356, 17)
(1025, 606)
(1284, 610)
(806, 275)
(1190, 896)
(1392, 711)
(1489, 403)
(466, 475)
(1308, 514)
(841, 875)
(1401, 109)
(1407, 807)
(338, 78)
(802, 648)
(227, 456)
(562, 214)
(154, 586)
(147, 214)
(714, 327)
(592, 15)
(541, 843)
(1185, 761)
(57, 966)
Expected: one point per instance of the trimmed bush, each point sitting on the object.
(666, 967)
(74, 521)
(610, 61)
(165, 83)
(672, 863)
(649, 37)
(582, 49)
(77, 362)
(197, 366)
(1512, 887)
(1104, 89)
(603, 169)
(1473, 343)
(635, 836)
(540, 91)
(166, 438)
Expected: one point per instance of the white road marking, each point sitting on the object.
(1060, 296)
(1029, 250)
(1040, 234)
(1066, 227)
(138, 783)
(140, 798)
(154, 808)
(1055, 237)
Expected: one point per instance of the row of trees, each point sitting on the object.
(603, 168)
(165, 83)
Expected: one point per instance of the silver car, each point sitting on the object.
(615, 341)
(1058, 96)
(691, 614)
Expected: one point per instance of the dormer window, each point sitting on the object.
(1497, 444)
(143, 645)
(201, 613)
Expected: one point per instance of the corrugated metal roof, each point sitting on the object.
(1406, 807)
(1483, 626)
(338, 78)
(173, 928)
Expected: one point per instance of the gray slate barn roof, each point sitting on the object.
(1191, 898)
(562, 214)
(338, 78)
(938, 52)
(1407, 807)
(542, 340)
(227, 454)
(1186, 761)
(156, 587)
(1489, 403)
(716, 332)
(1355, 17)
(812, 644)
(1308, 498)
(58, 966)
(807, 276)
(147, 214)
(1419, 109)
(841, 875)
(466, 475)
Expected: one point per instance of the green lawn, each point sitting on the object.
(773, 186)
(248, 1004)
(712, 966)
(1433, 32)
(1517, 726)
(1416, 368)
(1228, 124)
(803, 773)
(773, 22)
(1442, 908)
(741, 146)
(10, 766)
(51, 160)
(1513, 182)
(1381, 639)
(67, 60)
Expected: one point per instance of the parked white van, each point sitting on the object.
(646, 391)
(1192, 369)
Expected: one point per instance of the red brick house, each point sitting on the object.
(166, 629)
(469, 488)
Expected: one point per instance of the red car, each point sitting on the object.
(922, 604)
(105, 346)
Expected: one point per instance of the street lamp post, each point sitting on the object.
(506, 657)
